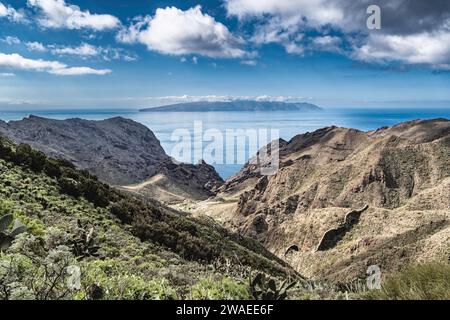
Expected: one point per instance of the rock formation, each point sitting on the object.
(402, 173)
(119, 151)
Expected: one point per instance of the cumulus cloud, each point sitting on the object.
(59, 14)
(292, 12)
(326, 43)
(422, 48)
(35, 46)
(177, 32)
(84, 50)
(286, 21)
(18, 62)
(11, 14)
(413, 31)
(10, 40)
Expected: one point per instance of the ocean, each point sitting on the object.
(168, 126)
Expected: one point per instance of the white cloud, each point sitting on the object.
(288, 13)
(326, 43)
(82, 50)
(431, 48)
(301, 26)
(3, 10)
(177, 32)
(249, 62)
(11, 40)
(285, 21)
(76, 71)
(11, 14)
(35, 46)
(218, 98)
(7, 74)
(58, 14)
(86, 50)
(16, 61)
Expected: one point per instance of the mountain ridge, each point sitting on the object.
(119, 151)
(402, 173)
(235, 106)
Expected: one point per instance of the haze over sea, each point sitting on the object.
(289, 124)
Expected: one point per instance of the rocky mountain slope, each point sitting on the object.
(344, 199)
(119, 151)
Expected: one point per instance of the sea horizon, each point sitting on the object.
(287, 123)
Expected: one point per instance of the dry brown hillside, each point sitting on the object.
(344, 199)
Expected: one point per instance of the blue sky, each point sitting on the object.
(95, 54)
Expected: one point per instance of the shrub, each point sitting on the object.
(69, 186)
(38, 161)
(183, 243)
(22, 155)
(133, 287)
(8, 235)
(5, 151)
(95, 192)
(429, 281)
(63, 163)
(32, 269)
(52, 169)
(225, 289)
(265, 288)
(84, 242)
(26, 156)
(124, 210)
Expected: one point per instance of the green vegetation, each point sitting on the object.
(7, 236)
(264, 288)
(86, 240)
(429, 281)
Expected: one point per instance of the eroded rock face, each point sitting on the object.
(117, 150)
(402, 173)
(348, 168)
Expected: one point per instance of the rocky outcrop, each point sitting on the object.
(117, 150)
(402, 173)
(331, 238)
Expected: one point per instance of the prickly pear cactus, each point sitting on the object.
(7, 235)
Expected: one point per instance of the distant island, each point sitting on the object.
(235, 106)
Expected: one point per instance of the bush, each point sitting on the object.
(69, 186)
(26, 156)
(123, 210)
(131, 287)
(225, 289)
(5, 151)
(429, 281)
(95, 192)
(36, 268)
(52, 169)
(22, 155)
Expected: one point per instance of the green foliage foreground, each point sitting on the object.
(429, 281)
(86, 240)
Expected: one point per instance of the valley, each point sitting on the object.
(342, 200)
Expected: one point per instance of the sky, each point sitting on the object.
(143, 53)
